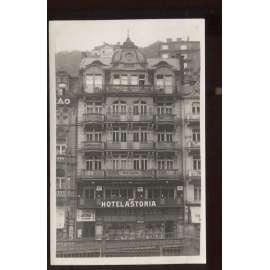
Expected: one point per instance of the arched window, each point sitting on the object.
(139, 107)
(119, 107)
(196, 108)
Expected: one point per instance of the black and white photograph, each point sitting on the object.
(127, 144)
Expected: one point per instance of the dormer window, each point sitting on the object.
(165, 82)
(93, 83)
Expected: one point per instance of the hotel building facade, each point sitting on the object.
(135, 173)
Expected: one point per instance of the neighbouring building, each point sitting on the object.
(134, 144)
(65, 155)
(104, 50)
(189, 53)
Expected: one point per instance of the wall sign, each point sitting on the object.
(127, 204)
(63, 101)
(86, 215)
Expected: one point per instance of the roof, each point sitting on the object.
(90, 60)
(174, 62)
(152, 63)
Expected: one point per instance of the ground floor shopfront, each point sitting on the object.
(129, 224)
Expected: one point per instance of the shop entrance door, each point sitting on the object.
(169, 229)
(88, 230)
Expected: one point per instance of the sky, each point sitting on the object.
(85, 35)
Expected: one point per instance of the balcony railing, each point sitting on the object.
(139, 89)
(130, 145)
(193, 144)
(65, 193)
(129, 117)
(88, 145)
(166, 90)
(92, 174)
(60, 157)
(93, 117)
(165, 117)
(194, 173)
(192, 117)
(166, 145)
(167, 173)
(130, 173)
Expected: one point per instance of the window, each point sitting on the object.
(185, 65)
(134, 80)
(165, 55)
(141, 80)
(88, 193)
(185, 56)
(119, 136)
(164, 81)
(93, 165)
(196, 108)
(160, 81)
(93, 136)
(60, 182)
(140, 136)
(140, 164)
(139, 107)
(96, 108)
(196, 164)
(124, 79)
(197, 192)
(60, 149)
(164, 47)
(183, 47)
(196, 135)
(165, 164)
(126, 193)
(119, 107)
(116, 79)
(165, 136)
(93, 82)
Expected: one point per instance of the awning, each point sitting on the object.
(60, 217)
(195, 214)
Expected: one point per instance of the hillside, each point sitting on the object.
(70, 61)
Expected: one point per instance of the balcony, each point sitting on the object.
(130, 173)
(92, 174)
(129, 89)
(192, 118)
(130, 145)
(166, 146)
(93, 117)
(60, 157)
(193, 146)
(194, 175)
(168, 173)
(165, 117)
(166, 90)
(129, 117)
(88, 145)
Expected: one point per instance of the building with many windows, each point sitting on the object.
(136, 148)
(188, 51)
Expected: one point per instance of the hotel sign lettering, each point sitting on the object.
(63, 101)
(127, 204)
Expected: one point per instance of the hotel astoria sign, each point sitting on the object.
(127, 204)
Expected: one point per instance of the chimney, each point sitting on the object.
(83, 54)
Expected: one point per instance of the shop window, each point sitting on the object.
(196, 108)
(196, 135)
(197, 192)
